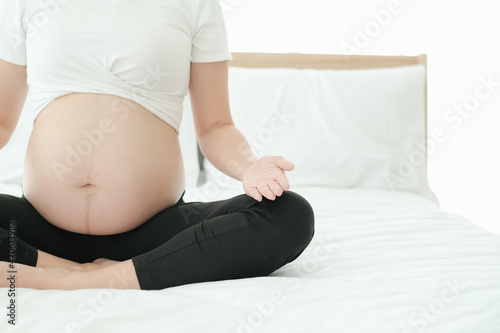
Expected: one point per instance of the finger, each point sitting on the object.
(254, 193)
(283, 182)
(283, 163)
(266, 191)
(276, 188)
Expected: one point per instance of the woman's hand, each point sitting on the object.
(266, 177)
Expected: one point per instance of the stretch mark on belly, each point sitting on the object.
(89, 191)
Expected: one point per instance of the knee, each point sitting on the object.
(292, 218)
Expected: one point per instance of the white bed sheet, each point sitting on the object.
(380, 261)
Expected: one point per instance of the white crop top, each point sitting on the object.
(137, 49)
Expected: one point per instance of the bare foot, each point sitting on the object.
(97, 264)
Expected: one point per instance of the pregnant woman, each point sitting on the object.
(103, 182)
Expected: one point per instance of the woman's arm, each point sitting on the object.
(222, 143)
(13, 91)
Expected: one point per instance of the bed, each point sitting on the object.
(385, 257)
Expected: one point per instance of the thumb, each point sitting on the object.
(283, 163)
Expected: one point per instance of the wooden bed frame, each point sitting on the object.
(322, 61)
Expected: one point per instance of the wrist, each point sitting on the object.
(239, 168)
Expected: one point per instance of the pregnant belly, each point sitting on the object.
(101, 164)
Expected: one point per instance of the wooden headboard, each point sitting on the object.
(322, 61)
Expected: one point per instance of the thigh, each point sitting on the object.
(193, 213)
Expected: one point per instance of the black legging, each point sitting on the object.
(185, 243)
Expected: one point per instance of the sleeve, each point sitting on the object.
(209, 43)
(12, 31)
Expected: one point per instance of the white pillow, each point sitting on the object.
(341, 128)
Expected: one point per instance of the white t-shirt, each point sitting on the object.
(140, 50)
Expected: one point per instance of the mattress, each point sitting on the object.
(380, 261)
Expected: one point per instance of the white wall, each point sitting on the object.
(461, 40)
